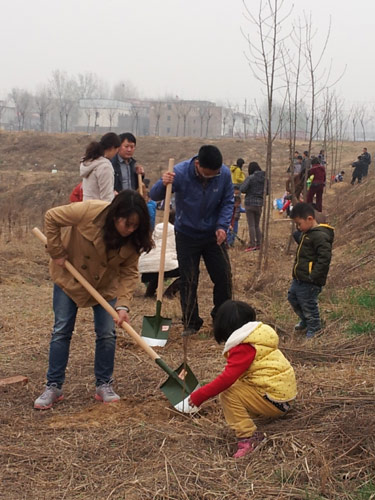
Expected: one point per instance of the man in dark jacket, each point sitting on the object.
(310, 267)
(366, 160)
(125, 167)
(204, 206)
(359, 169)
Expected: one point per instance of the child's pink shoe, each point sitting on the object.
(248, 445)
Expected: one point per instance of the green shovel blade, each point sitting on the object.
(177, 390)
(155, 329)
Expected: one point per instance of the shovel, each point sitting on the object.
(140, 190)
(180, 383)
(155, 329)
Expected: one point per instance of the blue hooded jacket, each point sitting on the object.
(202, 205)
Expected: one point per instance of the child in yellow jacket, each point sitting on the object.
(236, 172)
(257, 380)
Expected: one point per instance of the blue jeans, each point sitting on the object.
(303, 297)
(65, 310)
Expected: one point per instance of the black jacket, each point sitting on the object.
(118, 176)
(253, 186)
(314, 255)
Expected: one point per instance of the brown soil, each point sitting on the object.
(141, 448)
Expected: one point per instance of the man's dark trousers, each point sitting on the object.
(189, 252)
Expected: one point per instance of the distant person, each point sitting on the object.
(125, 165)
(236, 172)
(294, 161)
(359, 168)
(310, 267)
(237, 211)
(257, 381)
(366, 160)
(306, 161)
(253, 187)
(322, 157)
(204, 205)
(149, 263)
(340, 176)
(317, 184)
(96, 169)
(103, 241)
(297, 167)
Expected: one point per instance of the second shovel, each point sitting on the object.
(155, 329)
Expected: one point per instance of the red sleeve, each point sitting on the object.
(239, 359)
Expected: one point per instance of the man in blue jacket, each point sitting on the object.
(204, 206)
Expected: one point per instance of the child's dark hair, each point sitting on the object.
(209, 156)
(315, 161)
(302, 210)
(237, 198)
(253, 167)
(96, 149)
(230, 316)
(125, 204)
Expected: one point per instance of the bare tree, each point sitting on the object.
(157, 107)
(313, 65)
(22, 101)
(185, 109)
(362, 112)
(87, 85)
(232, 113)
(202, 114)
(224, 119)
(264, 60)
(65, 91)
(209, 114)
(3, 106)
(112, 112)
(135, 111)
(178, 106)
(43, 103)
(124, 90)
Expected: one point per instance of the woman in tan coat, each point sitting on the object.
(103, 241)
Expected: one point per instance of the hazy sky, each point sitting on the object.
(190, 48)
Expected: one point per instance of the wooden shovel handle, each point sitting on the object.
(167, 202)
(110, 310)
(140, 189)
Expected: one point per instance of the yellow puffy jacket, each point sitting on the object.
(237, 175)
(270, 372)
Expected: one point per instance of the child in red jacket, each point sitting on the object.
(257, 379)
(318, 183)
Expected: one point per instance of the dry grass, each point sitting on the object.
(140, 448)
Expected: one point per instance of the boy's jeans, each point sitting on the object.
(65, 310)
(303, 297)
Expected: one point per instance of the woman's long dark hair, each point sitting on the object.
(125, 204)
(253, 167)
(96, 149)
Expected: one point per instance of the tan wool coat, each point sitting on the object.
(75, 231)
